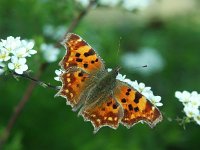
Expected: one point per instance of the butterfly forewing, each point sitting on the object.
(80, 54)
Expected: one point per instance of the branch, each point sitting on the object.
(41, 83)
(19, 108)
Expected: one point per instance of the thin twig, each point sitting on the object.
(43, 84)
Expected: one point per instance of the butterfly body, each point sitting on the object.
(103, 99)
(103, 87)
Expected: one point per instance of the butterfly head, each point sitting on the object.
(115, 72)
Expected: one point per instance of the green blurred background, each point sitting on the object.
(171, 28)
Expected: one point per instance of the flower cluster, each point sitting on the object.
(191, 102)
(50, 52)
(129, 5)
(140, 87)
(13, 54)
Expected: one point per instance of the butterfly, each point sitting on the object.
(100, 98)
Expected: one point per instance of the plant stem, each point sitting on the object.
(20, 107)
(43, 84)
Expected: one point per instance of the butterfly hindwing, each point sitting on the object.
(108, 113)
(136, 107)
(80, 54)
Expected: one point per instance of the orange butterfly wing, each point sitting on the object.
(136, 107)
(79, 62)
(73, 84)
(82, 66)
(80, 54)
(108, 113)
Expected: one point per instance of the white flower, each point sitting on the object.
(188, 98)
(20, 52)
(149, 57)
(58, 73)
(141, 88)
(111, 3)
(28, 45)
(191, 111)
(17, 50)
(197, 119)
(50, 52)
(135, 4)
(121, 77)
(18, 65)
(191, 102)
(54, 32)
(109, 69)
(183, 97)
(17, 47)
(2, 65)
(155, 100)
(48, 30)
(4, 54)
(195, 99)
(11, 43)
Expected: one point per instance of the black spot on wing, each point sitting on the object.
(85, 65)
(137, 97)
(77, 54)
(123, 100)
(89, 53)
(136, 109)
(130, 107)
(79, 59)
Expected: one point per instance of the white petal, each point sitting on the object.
(30, 44)
(19, 71)
(197, 119)
(57, 78)
(32, 52)
(58, 72)
(24, 67)
(22, 60)
(14, 59)
(159, 104)
(109, 69)
(191, 111)
(178, 94)
(6, 58)
(11, 66)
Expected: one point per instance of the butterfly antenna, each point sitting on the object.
(117, 56)
(144, 66)
(139, 67)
